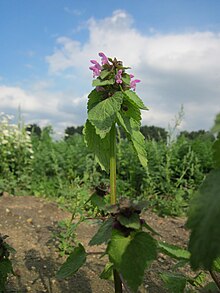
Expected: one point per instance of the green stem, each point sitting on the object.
(113, 165)
(117, 279)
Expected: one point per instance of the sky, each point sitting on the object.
(172, 46)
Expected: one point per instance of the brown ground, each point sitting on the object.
(30, 222)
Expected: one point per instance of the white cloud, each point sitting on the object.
(175, 69)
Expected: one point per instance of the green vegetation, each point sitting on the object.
(35, 163)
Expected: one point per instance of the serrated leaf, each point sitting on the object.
(203, 220)
(216, 153)
(132, 222)
(132, 130)
(173, 251)
(116, 247)
(175, 283)
(103, 114)
(94, 98)
(134, 99)
(99, 82)
(103, 234)
(75, 260)
(138, 255)
(107, 273)
(216, 127)
(100, 147)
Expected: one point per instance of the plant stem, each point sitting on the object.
(117, 279)
(113, 164)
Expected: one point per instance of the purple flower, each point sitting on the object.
(133, 83)
(104, 59)
(118, 76)
(96, 68)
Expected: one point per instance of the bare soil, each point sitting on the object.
(30, 223)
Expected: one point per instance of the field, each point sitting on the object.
(46, 185)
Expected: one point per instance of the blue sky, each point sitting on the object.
(172, 46)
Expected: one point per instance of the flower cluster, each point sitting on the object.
(15, 147)
(113, 72)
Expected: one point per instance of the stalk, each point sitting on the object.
(113, 165)
(117, 279)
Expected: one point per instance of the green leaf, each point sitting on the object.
(134, 99)
(98, 201)
(103, 114)
(132, 222)
(216, 265)
(216, 153)
(173, 251)
(149, 228)
(175, 283)
(107, 273)
(94, 98)
(132, 130)
(138, 255)
(100, 147)
(6, 266)
(204, 218)
(75, 260)
(103, 234)
(116, 247)
(126, 78)
(216, 127)
(210, 288)
(104, 74)
(99, 82)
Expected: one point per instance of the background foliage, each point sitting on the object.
(33, 162)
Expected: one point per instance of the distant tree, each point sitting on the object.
(34, 129)
(199, 134)
(71, 130)
(154, 132)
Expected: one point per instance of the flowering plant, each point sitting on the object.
(114, 101)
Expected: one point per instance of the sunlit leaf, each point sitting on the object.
(138, 255)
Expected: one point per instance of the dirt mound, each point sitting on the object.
(30, 223)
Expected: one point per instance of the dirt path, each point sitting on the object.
(30, 222)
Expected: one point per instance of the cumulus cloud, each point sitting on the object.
(175, 69)
(43, 107)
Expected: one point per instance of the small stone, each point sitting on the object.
(7, 210)
(28, 289)
(30, 220)
(44, 267)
